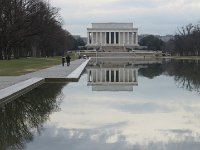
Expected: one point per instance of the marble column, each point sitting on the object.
(100, 75)
(123, 37)
(92, 37)
(130, 75)
(97, 73)
(133, 38)
(119, 38)
(96, 37)
(109, 37)
(101, 38)
(124, 75)
(128, 38)
(105, 38)
(109, 75)
(88, 37)
(114, 75)
(105, 75)
(127, 75)
(115, 37)
(93, 77)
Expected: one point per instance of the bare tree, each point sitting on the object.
(31, 28)
(186, 41)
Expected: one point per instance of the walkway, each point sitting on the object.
(54, 72)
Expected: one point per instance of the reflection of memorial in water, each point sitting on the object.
(112, 77)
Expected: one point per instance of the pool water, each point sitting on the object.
(160, 112)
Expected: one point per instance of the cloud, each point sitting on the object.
(150, 16)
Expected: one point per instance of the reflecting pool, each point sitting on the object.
(129, 106)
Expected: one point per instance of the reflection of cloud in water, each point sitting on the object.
(179, 131)
(114, 125)
(143, 108)
(140, 117)
(110, 139)
(80, 139)
(155, 116)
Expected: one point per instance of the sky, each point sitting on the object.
(158, 17)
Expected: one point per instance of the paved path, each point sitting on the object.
(53, 72)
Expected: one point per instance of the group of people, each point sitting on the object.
(67, 59)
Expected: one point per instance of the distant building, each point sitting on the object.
(112, 36)
(166, 38)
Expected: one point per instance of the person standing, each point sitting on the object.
(68, 58)
(63, 61)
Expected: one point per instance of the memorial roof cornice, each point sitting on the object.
(112, 29)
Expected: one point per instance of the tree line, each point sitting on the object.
(151, 42)
(186, 42)
(32, 28)
(186, 73)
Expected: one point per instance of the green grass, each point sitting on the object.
(183, 57)
(188, 57)
(26, 65)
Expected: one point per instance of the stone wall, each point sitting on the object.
(123, 54)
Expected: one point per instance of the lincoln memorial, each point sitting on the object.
(112, 36)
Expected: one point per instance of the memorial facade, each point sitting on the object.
(112, 35)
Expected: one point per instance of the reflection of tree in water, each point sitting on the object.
(186, 73)
(151, 70)
(25, 115)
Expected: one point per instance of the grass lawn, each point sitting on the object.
(25, 65)
(183, 57)
(188, 57)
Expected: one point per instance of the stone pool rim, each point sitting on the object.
(14, 91)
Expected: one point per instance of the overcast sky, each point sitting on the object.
(149, 16)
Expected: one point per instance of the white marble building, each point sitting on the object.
(114, 35)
